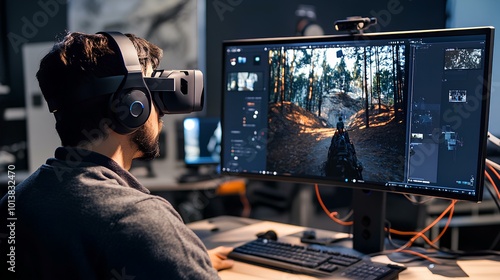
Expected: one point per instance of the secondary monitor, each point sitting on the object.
(402, 112)
(202, 140)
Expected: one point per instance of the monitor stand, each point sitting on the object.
(369, 217)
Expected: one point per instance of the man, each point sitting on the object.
(82, 215)
(340, 126)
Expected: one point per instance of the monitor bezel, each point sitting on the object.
(488, 31)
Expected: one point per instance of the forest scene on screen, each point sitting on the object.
(338, 112)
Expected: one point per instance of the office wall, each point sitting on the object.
(235, 19)
(22, 22)
(35, 21)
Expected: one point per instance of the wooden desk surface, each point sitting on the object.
(234, 231)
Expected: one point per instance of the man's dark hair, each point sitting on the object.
(74, 61)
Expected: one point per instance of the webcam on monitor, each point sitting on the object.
(354, 24)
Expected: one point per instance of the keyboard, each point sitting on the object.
(312, 261)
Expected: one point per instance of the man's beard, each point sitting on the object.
(149, 147)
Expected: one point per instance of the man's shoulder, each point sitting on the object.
(146, 208)
(63, 174)
(94, 189)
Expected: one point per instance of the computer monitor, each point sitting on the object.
(202, 140)
(403, 112)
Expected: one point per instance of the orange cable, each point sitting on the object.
(445, 226)
(424, 237)
(422, 232)
(398, 232)
(332, 215)
(491, 179)
(419, 234)
(494, 170)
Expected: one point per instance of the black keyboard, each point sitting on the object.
(312, 261)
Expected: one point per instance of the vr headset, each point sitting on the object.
(176, 91)
(132, 95)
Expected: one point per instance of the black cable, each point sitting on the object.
(495, 241)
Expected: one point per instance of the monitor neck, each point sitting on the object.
(369, 216)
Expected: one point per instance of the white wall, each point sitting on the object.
(469, 13)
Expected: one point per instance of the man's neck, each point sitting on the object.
(117, 147)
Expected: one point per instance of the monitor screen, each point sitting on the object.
(202, 141)
(402, 112)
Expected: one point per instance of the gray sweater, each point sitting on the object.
(81, 216)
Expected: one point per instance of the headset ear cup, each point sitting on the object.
(130, 110)
(131, 103)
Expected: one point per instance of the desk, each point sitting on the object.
(234, 231)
